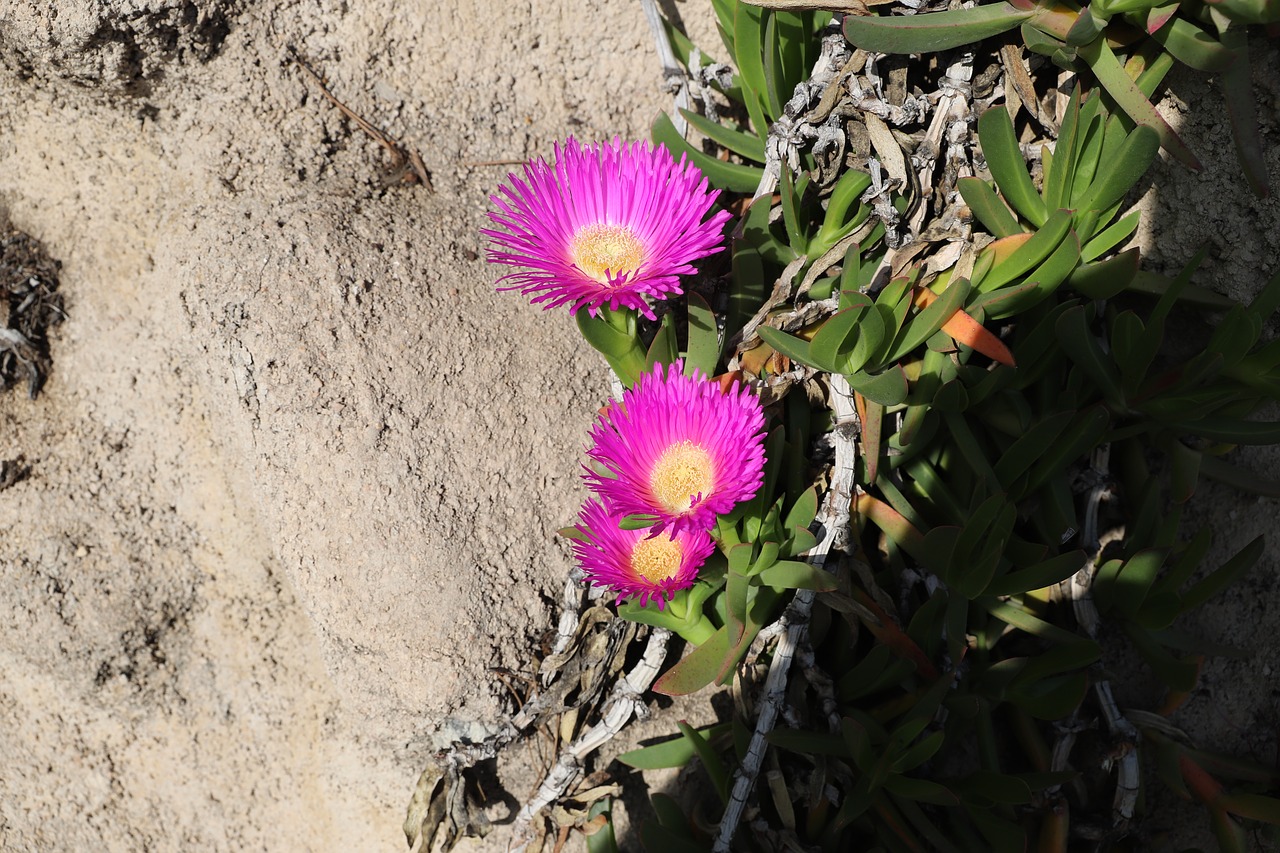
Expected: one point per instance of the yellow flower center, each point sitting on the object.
(682, 472)
(656, 558)
(599, 250)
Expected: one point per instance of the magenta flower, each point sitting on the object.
(607, 224)
(636, 563)
(680, 449)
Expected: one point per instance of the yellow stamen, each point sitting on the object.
(683, 472)
(656, 558)
(601, 249)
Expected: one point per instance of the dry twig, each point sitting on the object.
(406, 163)
(833, 521)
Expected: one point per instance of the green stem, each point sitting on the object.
(696, 633)
(614, 335)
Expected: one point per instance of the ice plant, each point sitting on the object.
(680, 449)
(605, 225)
(634, 563)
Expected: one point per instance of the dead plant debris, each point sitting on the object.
(29, 283)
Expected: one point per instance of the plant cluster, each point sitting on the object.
(906, 465)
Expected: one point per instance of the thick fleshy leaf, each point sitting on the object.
(1242, 110)
(1238, 477)
(675, 752)
(710, 760)
(1053, 698)
(897, 528)
(747, 288)
(889, 387)
(704, 339)
(1063, 166)
(1030, 254)
(1004, 158)
(993, 213)
(932, 32)
(1083, 348)
(833, 338)
(1012, 614)
(748, 54)
(792, 574)
(796, 349)
(697, 669)
(1047, 277)
(1176, 674)
(1192, 46)
(1106, 279)
(1121, 172)
(1252, 806)
(792, 191)
(663, 350)
(1232, 431)
(740, 142)
(1134, 580)
(921, 790)
(1185, 463)
(1048, 573)
(871, 335)
(727, 176)
(1104, 64)
(937, 310)
(803, 510)
(871, 416)
(1223, 577)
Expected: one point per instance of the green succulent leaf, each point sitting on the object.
(747, 289)
(1087, 353)
(1192, 46)
(792, 574)
(802, 512)
(745, 145)
(832, 340)
(1111, 74)
(927, 323)
(704, 339)
(1121, 172)
(993, 213)
(1242, 110)
(1110, 237)
(1035, 251)
(674, 752)
(1135, 579)
(796, 349)
(728, 176)
(1106, 279)
(1004, 159)
(697, 669)
(1048, 573)
(888, 388)
(921, 790)
(1046, 277)
(748, 54)
(1223, 577)
(710, 760)
(932, 32)
(663, 350)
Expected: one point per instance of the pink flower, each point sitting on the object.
(636, 563)
(607, 224)
(680, 449)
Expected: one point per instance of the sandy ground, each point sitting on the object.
(294, 480)
(295, 477)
